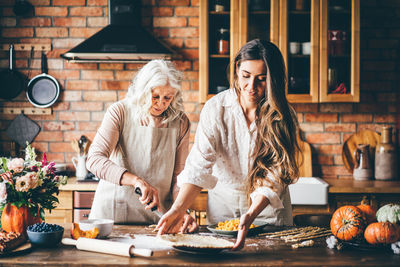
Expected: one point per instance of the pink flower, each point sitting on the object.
(26, 182)
(16, 165)
(3, 192)
(44, 159)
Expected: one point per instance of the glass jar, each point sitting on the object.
(223, 41)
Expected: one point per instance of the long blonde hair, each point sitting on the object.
(277, 126)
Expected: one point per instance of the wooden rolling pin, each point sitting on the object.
(108, 247)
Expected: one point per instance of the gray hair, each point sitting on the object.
(154, 74)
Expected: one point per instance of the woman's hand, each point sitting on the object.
(245, 221)
(172, 222)
(149, 194)
(189, 224)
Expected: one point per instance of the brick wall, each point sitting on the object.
(88, 89)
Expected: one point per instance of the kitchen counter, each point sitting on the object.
(258, 251)
(335, 186)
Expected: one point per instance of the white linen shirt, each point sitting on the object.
(222, 150)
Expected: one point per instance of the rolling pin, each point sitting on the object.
(108, 247)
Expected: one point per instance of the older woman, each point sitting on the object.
(244, 149)
(141, 143)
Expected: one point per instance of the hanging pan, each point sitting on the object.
(43, 89)
(12, 82)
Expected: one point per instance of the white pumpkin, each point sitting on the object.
(389, 213)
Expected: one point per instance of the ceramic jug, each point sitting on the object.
(386, 157)
(363, 167)
(80, 166)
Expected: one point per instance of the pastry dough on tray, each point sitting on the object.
(196, 241)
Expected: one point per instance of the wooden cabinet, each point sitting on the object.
(319, 40)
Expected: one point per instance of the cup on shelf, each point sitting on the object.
(306, 48)
(294, 48)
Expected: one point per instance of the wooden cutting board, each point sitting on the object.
(366, 137)
(305, 167)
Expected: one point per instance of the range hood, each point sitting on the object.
(123, 40)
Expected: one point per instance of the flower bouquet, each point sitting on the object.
(27, 186)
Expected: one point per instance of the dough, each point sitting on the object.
(196, 241)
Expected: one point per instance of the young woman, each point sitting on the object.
(141, 143)
(245, 147)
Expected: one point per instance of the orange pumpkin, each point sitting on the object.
(76, 232)
(15, 219)
(368, 210)
(348, 222)
(381, 233)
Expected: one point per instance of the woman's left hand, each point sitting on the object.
(189, 224)
(244, 225)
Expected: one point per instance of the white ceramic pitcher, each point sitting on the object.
(80, 166)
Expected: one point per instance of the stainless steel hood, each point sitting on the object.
(123, 40)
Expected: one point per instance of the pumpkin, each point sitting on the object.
(389, 213)
(14, 219)
(381, 233)
(368, 211)
(348, 222)
(76, 232)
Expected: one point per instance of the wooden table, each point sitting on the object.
(259, 251)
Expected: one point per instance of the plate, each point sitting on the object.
(197, 250)
(365, 246)
(366, 137)
(260, 227)
(19, 250)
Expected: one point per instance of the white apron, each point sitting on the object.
(147, 152)
(225, 203)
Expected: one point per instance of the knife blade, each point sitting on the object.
(153, 209)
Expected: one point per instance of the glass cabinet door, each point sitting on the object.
(298, 41)
(339, 67)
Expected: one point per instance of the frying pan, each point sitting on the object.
(12, 82)
(43, 89)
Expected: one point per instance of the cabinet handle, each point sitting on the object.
(85, 215)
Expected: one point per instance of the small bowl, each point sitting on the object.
(104, 225)
(45, 239)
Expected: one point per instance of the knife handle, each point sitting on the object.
(144, 252)
(139, 192)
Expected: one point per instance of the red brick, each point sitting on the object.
(189, 107)
(340, 127)
(55, 64)
(174, 2)
(189, 96)
(87, 106)
(97, 2)
(40, 146)
(61, 147)
(193, 22)
(312, 127)
(114, 85)
(51, 32)
(66, 42)
(51, 11)
(193, 117)
(110, 66)
(192, 43)
(86, 11)
(97, 22)
(37, 22)
(338, 160)
(64, 74)
(82, 85)
(74, 116)
(321, 117)
(8, 22)
(48, 136)
(56, 157)
(323, 138)
(134, 66)
(96, 74)
(184, 32)
(185, 86)
(97, 116)
(174, 42)
(161, 32)
(83, 32)
(17, 32)
(125, 75)
(80, 66)
(169, 22)
(195, 85)
(187, 11)
(71, 96)
(387, 118)
(324, 160)
(58, 126)
(75, 135)
(334, 170)
(329, 149)
(69, 22)
(305, 107)
(162, 11)
(183, 65)
(100, 96)
(40, 2)
(68, 2)
(88, 126)
(335, 107)
(195, 2)
(300, 117)
(356, 117)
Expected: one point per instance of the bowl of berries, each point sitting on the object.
(45, 234)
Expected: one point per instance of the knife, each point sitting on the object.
(153, 209)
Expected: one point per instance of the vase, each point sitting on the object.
(386, 157)
(363, 167)
(14, 219)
